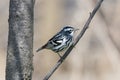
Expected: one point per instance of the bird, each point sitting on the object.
(61, 41)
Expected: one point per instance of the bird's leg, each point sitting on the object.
(59, 55)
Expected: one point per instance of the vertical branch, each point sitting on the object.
(75, 42)
(19, 65)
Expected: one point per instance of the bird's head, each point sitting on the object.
(69, 30)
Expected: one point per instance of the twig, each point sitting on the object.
(75, 42)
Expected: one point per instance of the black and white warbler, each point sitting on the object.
(60, 41)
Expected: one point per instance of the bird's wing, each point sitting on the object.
(56, 40)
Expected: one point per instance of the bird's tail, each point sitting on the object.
(43, 47)
(38, 49)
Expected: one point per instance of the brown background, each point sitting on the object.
(96, 56)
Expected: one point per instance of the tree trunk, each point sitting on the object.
(19, 65)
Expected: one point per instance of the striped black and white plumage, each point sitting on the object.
(60, 41)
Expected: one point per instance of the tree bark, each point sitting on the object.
(19, 65)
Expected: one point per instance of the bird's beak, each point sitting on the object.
(76, 29)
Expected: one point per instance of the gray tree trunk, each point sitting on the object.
(19, 65)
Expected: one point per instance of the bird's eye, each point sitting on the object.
(70, 30)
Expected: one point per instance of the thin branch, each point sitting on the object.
(75, 42)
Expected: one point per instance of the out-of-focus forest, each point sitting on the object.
(96, 56)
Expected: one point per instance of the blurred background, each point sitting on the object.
(96, 56)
